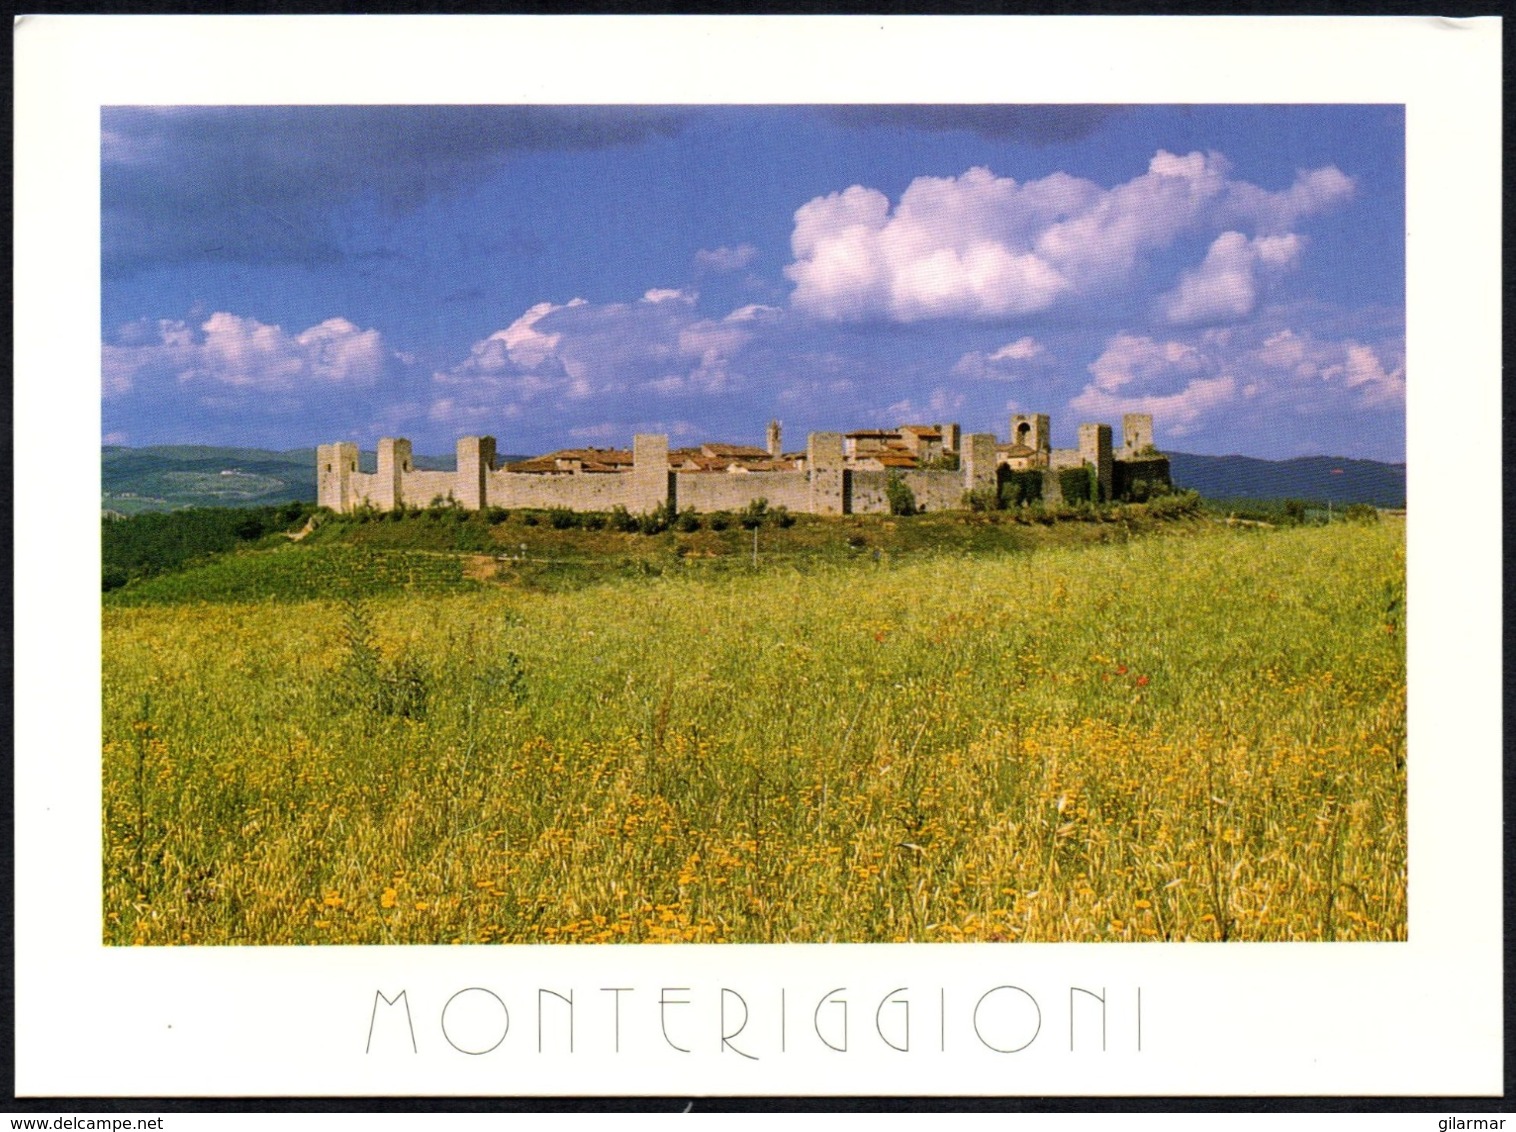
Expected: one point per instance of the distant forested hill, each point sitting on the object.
(134, 480)
(1319, 479)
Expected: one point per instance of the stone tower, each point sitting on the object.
(1136, 433)
(1095, 450)
(652, 480)
(476, 459)
(952, 436)
(979, 461)
(394, 462)
(336, 464)
(828, 476)
(1033, 431)
(774, 448)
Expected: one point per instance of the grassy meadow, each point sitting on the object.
(1195, 734)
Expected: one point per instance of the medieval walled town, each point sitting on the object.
(836, 473)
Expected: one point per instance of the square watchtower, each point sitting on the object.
(1032, 430)
(1136, 435)
(336, 465)
(1095, 450)
(827, 472)
(475, 460)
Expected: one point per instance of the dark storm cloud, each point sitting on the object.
(261, 184)
(1033, 125)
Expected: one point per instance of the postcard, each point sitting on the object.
(730, 556)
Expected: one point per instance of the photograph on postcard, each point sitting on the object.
(753, 524)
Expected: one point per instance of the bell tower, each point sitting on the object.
(1032, 431)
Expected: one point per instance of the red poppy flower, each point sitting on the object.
(1142, 681)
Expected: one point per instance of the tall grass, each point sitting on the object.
(1198, 738)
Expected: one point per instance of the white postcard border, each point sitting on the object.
(1422, 1017)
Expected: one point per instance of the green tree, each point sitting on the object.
(901, 498)
(753, 514)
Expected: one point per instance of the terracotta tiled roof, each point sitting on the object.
(570, 459)
(536, 464)
(595, 455)
(704, 464)
(780, 465)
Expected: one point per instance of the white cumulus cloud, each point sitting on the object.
(1138, 361)
(520, 343)
(754, 312)
(948, 250)
(1365, 373)
(981, 246)
(1314, 190)
(567, 359)
(1023, 349)
(1285, 349)
(336, 351)
(1181, 411)
(232, 351)
(1226, 283)
(1370, 378)
(1275, 390)
(1001, 364)
(667, 295)
(1174, 381)
(704, 338)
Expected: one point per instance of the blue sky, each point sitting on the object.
(553, 276)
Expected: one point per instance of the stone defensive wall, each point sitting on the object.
(587, 491)
(836, 474)
(822, 483)
(720, 491)
(934, 491)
